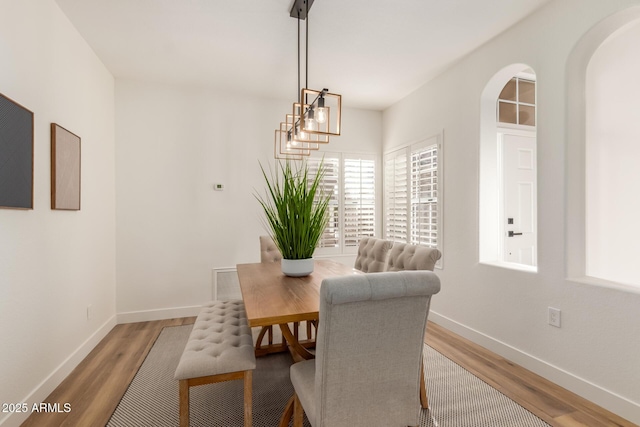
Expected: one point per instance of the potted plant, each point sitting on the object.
(296, 214)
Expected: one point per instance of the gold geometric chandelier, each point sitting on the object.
(315, 116)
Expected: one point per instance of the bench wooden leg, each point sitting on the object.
(246, 376)
(184, 403)
(248, 417)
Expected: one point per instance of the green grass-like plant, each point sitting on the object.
(295, 208)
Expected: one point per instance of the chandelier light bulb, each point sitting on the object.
(321, 114)
(310, 124)
(300, 134)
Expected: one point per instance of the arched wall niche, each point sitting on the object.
(576, 128)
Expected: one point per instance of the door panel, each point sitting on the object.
(519, 199)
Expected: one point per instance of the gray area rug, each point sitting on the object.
(457, 398)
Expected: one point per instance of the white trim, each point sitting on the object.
(511, 266)
(158, 314)
(55, 378)
(609, 400)
(603, 283)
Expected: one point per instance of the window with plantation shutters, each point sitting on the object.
(424, 196)
(359, 200)
(412, 194)
(330, 185)
(395, 196)
(350, 181)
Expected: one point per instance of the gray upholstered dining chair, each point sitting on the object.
(404, 256)
(365, 376)
(269, 252)
(372, 254)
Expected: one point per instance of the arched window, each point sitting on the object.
(508, 189)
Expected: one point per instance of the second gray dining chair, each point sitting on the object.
(404, 256)
(372, 254)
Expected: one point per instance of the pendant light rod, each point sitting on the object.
(306, 47)
(300, 8)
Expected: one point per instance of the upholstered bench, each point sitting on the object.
(220, 348)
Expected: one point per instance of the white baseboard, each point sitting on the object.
(44, 389)
(607, 399)
(159, 314)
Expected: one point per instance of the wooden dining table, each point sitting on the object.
(273, 299)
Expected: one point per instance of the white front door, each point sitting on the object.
(519, 198)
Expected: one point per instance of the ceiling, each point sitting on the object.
(372, 52)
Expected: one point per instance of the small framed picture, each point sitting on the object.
(65, 169)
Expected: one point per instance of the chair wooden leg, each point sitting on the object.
(298, 412)
(248, 395)
(288, 412)
(184, 403)
(424, 401)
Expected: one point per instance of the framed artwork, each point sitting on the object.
(16, 155)
(65, 169)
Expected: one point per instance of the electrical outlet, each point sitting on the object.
(89, 312)
(554, 317)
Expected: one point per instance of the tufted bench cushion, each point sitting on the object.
(220, 348)
(220, 342)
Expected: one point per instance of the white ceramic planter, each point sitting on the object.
(297, 267)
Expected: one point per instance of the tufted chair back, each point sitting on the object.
(372, 254)
(367, 376)
(404, 256)
(269, 252)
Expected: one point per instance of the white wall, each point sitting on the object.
(173, 144)
(53, 264)
(612, 153)
(596, 351)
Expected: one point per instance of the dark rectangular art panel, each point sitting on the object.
(16, 155)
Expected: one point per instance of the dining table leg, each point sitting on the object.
(298, 351)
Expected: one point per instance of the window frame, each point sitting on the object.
(490, 184)
(342, 248)
(407, 151)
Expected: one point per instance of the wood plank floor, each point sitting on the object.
(96, 386)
